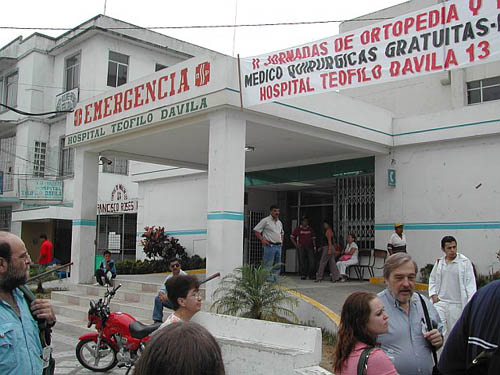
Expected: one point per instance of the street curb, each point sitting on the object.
(380, 281)
(334, 317)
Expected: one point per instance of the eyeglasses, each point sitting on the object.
(196, 294)
(176, 265)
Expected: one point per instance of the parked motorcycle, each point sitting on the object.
(119, 340)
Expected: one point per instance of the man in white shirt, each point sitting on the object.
(161, 300)
(452, 283)
(270, 232)
(397, 241)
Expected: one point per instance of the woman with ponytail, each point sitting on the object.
(362, 319)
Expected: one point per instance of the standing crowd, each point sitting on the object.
(399, 331)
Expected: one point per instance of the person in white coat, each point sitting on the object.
(452, 283)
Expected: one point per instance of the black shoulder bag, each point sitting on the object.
(49, 363)
(363, 361)
(435, 370)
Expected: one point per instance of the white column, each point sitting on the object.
(84, 219)
(226, 184)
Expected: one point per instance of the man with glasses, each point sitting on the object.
(161, 300)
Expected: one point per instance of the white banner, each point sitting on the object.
(447, 36)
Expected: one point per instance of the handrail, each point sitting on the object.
(55, 269)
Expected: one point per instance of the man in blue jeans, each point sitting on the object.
(270, 232)
(161, 300)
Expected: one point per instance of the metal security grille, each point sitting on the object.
(7, 161)
(117, 233)
(253, 253)
(5, 218)
(356, 209)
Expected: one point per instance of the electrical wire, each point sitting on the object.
(34, 114)
(227, 26)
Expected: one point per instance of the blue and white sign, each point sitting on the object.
(40, 189)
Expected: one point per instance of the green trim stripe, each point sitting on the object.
(445, 127)
(183, 232)
(85, 222)
(226, 215)
(443, 226)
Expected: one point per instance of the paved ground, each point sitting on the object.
(329, 294)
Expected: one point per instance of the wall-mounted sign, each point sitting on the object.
(391, 177)
(167, 94)
(119, 203)
(67, 101)
(40, 189)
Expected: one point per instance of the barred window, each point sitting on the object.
(72, 72)
(66, 160)
(39, 159)
(5, 218)
(117, 166)
(7, 161)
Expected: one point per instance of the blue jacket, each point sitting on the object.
(20, 347)
(111, 266)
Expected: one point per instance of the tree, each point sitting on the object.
(247, 293)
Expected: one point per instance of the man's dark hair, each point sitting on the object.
(182, 348)
(447, 239)
(173, 259)
(5, 249)
(44, 236)
(179, 287)
(273, 207)
(305, 218)
(107, 252)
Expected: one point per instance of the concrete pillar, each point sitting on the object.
(84, 219)
(226, 182)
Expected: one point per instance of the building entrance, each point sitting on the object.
(347, 203)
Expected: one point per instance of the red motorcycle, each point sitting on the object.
(119, 339)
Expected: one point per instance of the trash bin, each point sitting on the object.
(98, 260)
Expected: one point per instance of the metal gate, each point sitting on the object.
(356, 209)
(253, 249)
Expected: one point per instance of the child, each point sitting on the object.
(106, 271)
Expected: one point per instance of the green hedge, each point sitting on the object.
(134, 267)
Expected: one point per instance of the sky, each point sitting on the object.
(149, 13)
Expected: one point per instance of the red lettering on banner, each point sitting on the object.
(150, 91)
(98, 110)
(409, 22)
(375, 35)
(474, 6)
(397, 29)
(107, 109)
(421, 22)
(451, 59)
(343, 43)
(162, 94)
(88, 116)
(118, 103)
(452, 14)
(127, 102)
(78, 117)
(137, 96)
(183, 86)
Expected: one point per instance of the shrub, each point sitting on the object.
(139, 267)
(157, 243)
(425, 273)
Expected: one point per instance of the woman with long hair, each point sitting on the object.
(362, 319)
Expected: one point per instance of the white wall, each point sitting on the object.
(439, 183)
(180, 205)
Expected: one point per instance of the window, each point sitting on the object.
(159, 67)
(483, 90)
(7, 160)
(5, 218)
(11, 90)
(66, 159)
(118, 166)
(117, 69)
(39, 159)
(72, 72)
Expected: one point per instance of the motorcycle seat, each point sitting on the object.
(139, 330)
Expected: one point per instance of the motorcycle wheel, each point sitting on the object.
(87, 356)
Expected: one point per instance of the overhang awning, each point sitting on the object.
(43, 213)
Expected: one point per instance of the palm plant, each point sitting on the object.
(247, 293)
